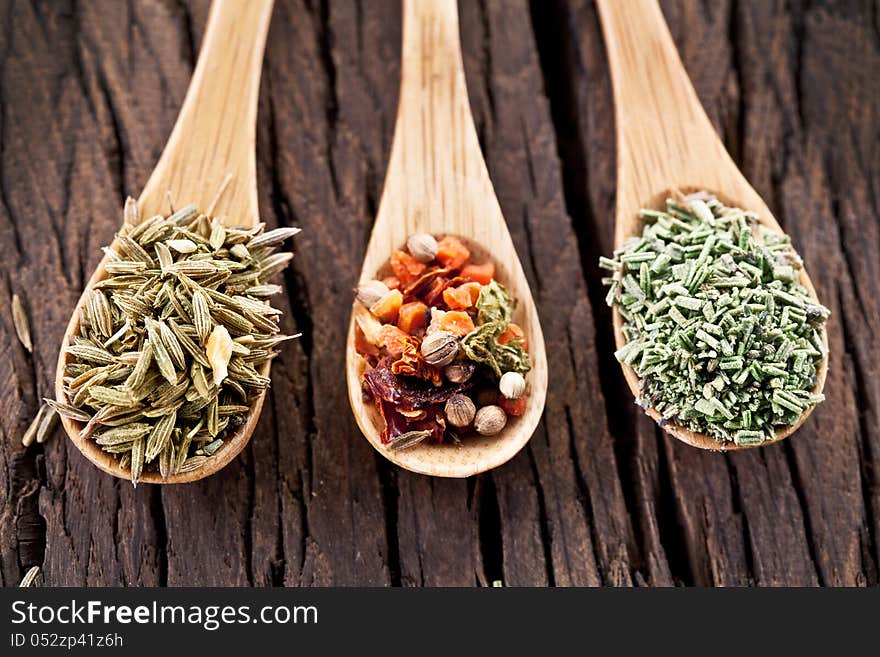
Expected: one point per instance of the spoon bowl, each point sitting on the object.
(437, 183)
(209, 161)
(666, 143)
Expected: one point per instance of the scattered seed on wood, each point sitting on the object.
(47, 425)
(30, 434)
(22, 327)
(30, 577)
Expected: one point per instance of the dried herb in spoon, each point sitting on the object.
(167, 358)
(724, 338)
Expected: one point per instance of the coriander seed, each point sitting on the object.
(422, 246)
(490, 420)
(371, 292)
(459, 372)
(439, 348)
(460, 410)
(512, 385)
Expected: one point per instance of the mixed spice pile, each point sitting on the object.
(170, 346)
(445, 360)
(723, 336)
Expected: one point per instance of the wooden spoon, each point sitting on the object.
(209, 159)
(665, 142)
(437, 183)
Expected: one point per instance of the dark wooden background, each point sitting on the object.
(88, 94)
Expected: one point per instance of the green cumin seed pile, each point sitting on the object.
(724, 338)
(166, 361)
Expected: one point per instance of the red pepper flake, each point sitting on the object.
(412, 363)
(513, 407)
(407, 392)
(405, 267)
(417, 287)
(397, 424)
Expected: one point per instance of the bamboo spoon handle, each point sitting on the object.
(664, 138)
(437, 180)
(432, 86)
(211, 148)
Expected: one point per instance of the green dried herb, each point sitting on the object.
(142, 372)
(494, 312)
(723, 337)
(494, 305)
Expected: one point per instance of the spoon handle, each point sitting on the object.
(664, 138)
(437, 181)
(431, 49)
(434, 115)
(211, 148)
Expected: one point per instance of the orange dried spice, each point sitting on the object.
(452, 253)
(388, 307)
(461, 297)
(450, 287)
(412, 316)
(454, 321)
(392, 339)
(482, 274)
(405, 267)
(474, 290)
(412, 363)
(362, 345)
(513, 407)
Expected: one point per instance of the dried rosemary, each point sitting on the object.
(170, 344)
(724, 338)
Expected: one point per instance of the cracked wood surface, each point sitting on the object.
(88, 94)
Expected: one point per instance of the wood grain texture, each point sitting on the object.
(88, 95)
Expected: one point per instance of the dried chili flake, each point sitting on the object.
(408, 392)
(397, 424)
(420, 285)
(412, 363)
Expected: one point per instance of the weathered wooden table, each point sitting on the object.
(88, 94)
